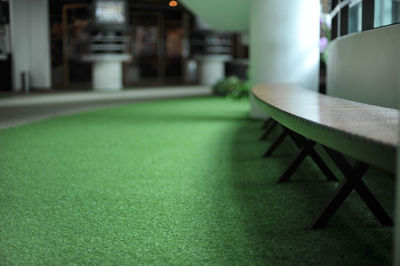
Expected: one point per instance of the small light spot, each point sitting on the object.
(173, 3)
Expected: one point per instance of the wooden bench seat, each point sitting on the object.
(366, 132)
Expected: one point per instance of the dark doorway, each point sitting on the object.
(158, 47)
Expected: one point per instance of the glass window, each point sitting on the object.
(386, 12)
(355, 16)
(396, 11)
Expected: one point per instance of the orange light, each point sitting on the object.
(173, 3)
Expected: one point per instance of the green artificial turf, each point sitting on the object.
(172, 182)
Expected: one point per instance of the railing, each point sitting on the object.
(350, 16)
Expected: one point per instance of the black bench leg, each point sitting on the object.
(275, 145)
(298, 140)
(322, 166)
(351, 174)
(372, 203)
(307, 148)
(269, 130)
(341, 193)
(352, 181)
(266, 123)
(296, 162)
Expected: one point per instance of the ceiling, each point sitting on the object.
(223, 15)
(228, 15)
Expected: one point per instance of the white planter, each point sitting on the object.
(211, 68)
(106, 70)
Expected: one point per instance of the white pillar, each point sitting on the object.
(19, 32)
(284, 44)
(30, 42)
(396, 249)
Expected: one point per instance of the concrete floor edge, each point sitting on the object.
(24, 109)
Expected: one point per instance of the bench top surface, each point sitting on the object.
(372, 123)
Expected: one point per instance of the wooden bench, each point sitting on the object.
(365, 132)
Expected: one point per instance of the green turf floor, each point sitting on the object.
(172, 182)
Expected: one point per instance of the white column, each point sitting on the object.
(19, 32)
(30, 42)
(284, 44)
(396, 249)
(40, 44)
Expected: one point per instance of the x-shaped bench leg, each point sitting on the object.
(353, 180)
(268, 131)
(306, 149)
(297, 161)
(276, 144)
(266, 123)
(300, 140)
